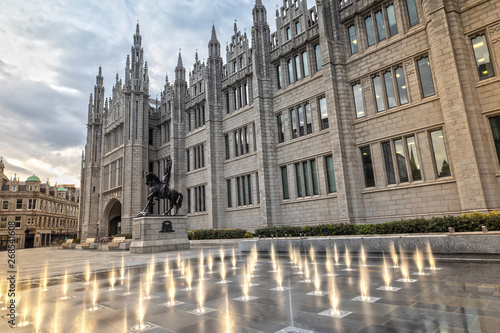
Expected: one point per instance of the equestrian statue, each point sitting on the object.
(160, 189)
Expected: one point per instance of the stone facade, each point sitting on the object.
(354, 111)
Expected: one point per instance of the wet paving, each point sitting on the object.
(461, 296)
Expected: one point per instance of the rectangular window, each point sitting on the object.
(293, 123)
(297, 28)
(247, 145)
(288, 33)
(370, 36)
(330, 175)
(391, 17)
(187, 160)
(323, 113)
(242, 62)
(290, 71)
(307, 185)
(379, 20)
(440, 156)
(353, 40)
(30, 204)
(314, 176)
(389, 163)
(389, 89)
(298, 179)
(377, 87)
(412, 12)
(300, 113)
(19, 204)
(236, 144)
(281, 132)
(308, 119)
(495, 129)
(249, 183)
(189, 200)
(284, 182)
(482, 56)
(400, 80)
(424, 71)
(305, 64)
(227, 103)
(358, 100)
(226, 141)
(413, 157)
(229, 200)
(401, 161)
(5, 204)
(317, 53)
(239, 190)
(366, 158)
(297, 67)
(150, 137)
(278, 76)
(244, 190)
(235, 91)
(136, 119)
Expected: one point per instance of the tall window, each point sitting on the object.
(288, 33)
(391, 18)
(5, 204)
(281, 131)
(495, 129)
(228, 186)
(424, 71)
(226, 141)
(298, 179)
(389, 89)
(19, 204)
(188, 160)
(317, 53)
(370, 36)
(482, 56)
(378, 93)
(290, 71)
(323, 112)
(278, 75)
(330, 175)
(413, 158)
(297, 67)
(300, 112)
(305, 63)
(366, 158)
(228, 107)
(379, 20)
(389, 163)
(308, 119)
(400, 81)
(298, 30)
(284, 182)
(293, 123)
(352, 39)
(358, 100)
(440, 156)
(412, 12)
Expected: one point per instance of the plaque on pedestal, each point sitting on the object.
(151, 234)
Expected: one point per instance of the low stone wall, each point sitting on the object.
(462, 245)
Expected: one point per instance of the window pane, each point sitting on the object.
(226, 139)
(249, 182)
(305, 168)
(284, 182)
(308, 118)
(290, 71)
(412, 153)
(482, 55)
(297, 67)
(424, 70)
(293, 122)
(317, 52)
(378, 93)
(305, 63)
(301, 120)
(314, 174)
(298, 179)
(358, 100)
(228, 184)
(353, 39)
(297, 28)
(379, 19)
(389, 89)
(369, 31)
(288, 34)
(330, 175)
(401, 161)
(440, 156)
(391, 17)
(412, 12)
(243, 190)
(278, 74)
(389, 164)
(281, 132)
(400, 79)
(495, 129)
(324, 113)
(367, 167)
(239, 190)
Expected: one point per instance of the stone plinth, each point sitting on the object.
(147, 238)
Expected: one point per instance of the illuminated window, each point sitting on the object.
(353, 40)
(366, 159)
(358, 100)
(482, 56)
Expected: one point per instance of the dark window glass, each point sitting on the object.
(389, 164)
(367, 167)
(308, 118)
(391, 17)
(353, 39)
(305, 63)
(227, 103)
(284, 182)
(440, 156)
(226, 140)
(290, 71)
(369, 31)
(293, 123)
(482, 56)
(424, 70)
(298, 179)
(314, 176)
(317, 53)
(412, 155)
(330, 175)
(389, 89)
(323, 113)
(378, 93)
(379, 20)
(281, 131)
(278, 74)
(412, 12)
(239, 190)
(189, 200)
(300, 113)
(249, 182)
(495, 129)
(400, 80)
(305, 169)
(401, 161)
(244, 192)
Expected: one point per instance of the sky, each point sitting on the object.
(51, 53)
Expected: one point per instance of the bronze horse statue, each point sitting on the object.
(159, 190)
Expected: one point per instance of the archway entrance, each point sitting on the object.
(114, 217)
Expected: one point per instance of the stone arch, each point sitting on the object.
(113, 216)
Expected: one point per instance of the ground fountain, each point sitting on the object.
(394, 256)
(387, 278)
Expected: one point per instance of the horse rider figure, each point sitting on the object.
(166, 177)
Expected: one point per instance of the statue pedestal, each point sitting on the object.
(147, 238)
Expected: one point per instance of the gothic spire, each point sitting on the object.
(214, 35)
(179, 61)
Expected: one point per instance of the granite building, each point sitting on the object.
(41, 212)
(356, 111)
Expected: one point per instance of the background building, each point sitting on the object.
(355, 111)
(41, 212)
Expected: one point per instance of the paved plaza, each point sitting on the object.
(461, 296)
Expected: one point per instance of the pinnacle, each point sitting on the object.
(179, 62)
(137, 28)
(214, 34)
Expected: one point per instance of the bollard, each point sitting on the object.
(484, 228)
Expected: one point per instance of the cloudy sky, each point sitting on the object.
(51, 52)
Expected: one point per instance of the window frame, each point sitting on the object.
(474, 56)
